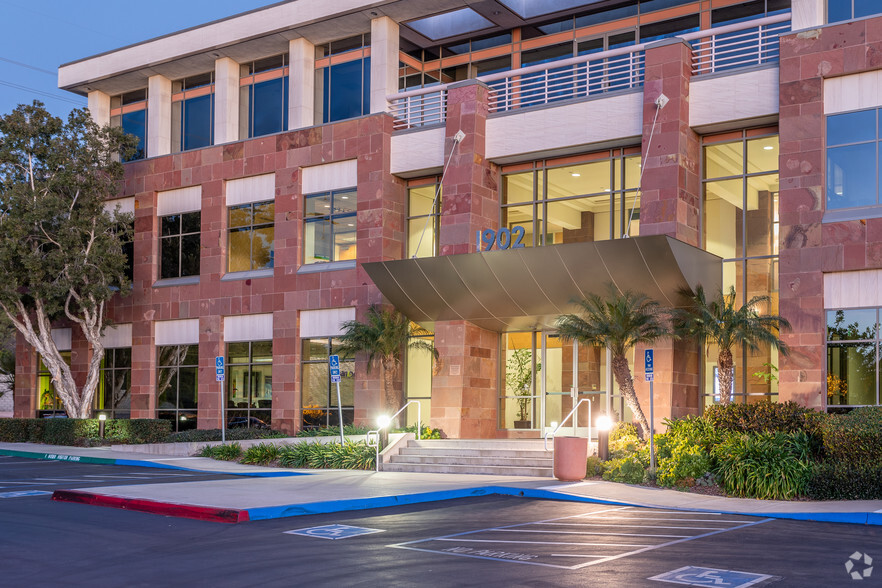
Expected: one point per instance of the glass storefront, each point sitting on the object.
(250, 384)
(319, 398)
(852, 358)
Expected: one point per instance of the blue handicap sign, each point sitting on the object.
(333, 531)
(695, 576)
(219, 362)
(647, 364)
(335, 368)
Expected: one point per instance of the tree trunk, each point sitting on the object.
(622, 372)
(726, 374)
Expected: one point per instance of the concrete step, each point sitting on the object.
(495, 453)
(509, 444)
(468, 469)
(472, 461)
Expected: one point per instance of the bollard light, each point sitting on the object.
(383, 423)
(101, 418)
(603, 424)
(553, 425)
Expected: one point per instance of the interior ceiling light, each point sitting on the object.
(768, 147)
(576, 174)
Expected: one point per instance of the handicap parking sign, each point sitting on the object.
(694, 576)
(333, 531)
(335, 368)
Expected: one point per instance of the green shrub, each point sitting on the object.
(135, 430)
(845, 481)
(691, 431)
(333, 431)
(227, 452)
(594, 466)
(624, 446)
(855, 437)
(425, 432)
(81, 431)
(261, 454)
(352, 455)
(14, 430)
(765, 417)
(237, 434)
(622, 429)
(771, 466)
(687, 463)
(627, 470)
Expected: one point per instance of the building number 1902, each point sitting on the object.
(504, 238)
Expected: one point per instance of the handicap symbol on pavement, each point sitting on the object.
(333, 531)
(694, 576)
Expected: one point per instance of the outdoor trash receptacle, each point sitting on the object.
(570, 458)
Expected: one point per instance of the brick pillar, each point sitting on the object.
(210, 391)
(143, 368)
(469, 200)
(670, 205)
(26, 382)
(464, 394)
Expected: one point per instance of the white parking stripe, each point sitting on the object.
(649, 548)
(35, 462)
(640, 526)
(589, 533)
(662, 519)
(461, 540)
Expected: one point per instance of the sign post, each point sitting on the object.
(648, 370)
(334, 362)
(220, 374)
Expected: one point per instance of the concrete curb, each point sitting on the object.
(216, 514)
(139, 463)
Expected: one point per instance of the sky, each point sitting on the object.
(36, 36)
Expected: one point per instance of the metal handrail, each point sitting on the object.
(566, 418)
(373, 436)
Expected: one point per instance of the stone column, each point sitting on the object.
(226, 101)
(143, 368)
(211, 392)
(669, 205)
(99, 107)
(469, 201)
(464, 394)
(159, 114)
(27, 393)
(301, 84)
(384, 61)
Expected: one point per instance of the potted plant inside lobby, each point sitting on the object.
(519, 381)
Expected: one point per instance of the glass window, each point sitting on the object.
(852, 357)
(740, 219)
(576, 199)
(193, 112)
(129, 111)
(853, 159)
(177, 385)
(423, 222)
(519, 398)
(250, 384)
(113, 396)
(49, 402)
(840, 10)
(342, 86)
(319, 399)
(179, 245)
(419, 367)
(263, 101)
(251, 236)
(330, 226)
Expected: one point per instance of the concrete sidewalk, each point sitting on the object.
(267, 493)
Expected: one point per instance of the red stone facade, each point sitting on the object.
(810, 248)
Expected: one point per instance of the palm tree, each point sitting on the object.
(619, 322)
(719, 322)
(383, 336)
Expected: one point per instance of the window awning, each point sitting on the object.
(523, 289)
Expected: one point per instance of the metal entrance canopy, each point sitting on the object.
(528, 288)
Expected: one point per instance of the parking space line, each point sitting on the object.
(669, 543)
(589, 533)
(460, 540)
(664, 519)
(34, 462)
(641, 526)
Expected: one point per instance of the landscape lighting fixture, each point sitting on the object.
(603, 423)
(383, 421)
(101, 418)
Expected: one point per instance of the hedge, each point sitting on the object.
(855, 437)
(845, 481)
(82, 431)
(236, 434)
(765, 417)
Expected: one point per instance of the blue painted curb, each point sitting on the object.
(139, 463)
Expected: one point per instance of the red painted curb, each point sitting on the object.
(186, 511)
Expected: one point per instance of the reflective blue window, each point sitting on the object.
(346, 90)
(135, 123)
(853, 159)
(198, 124)
(269, 107)
(840, 10)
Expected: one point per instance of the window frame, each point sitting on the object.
(331, 218)
(177, 364)
(251, 227)
(179, 238)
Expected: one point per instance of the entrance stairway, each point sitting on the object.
(499, 457)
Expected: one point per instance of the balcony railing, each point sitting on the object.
(753, 42)
(739, 45)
